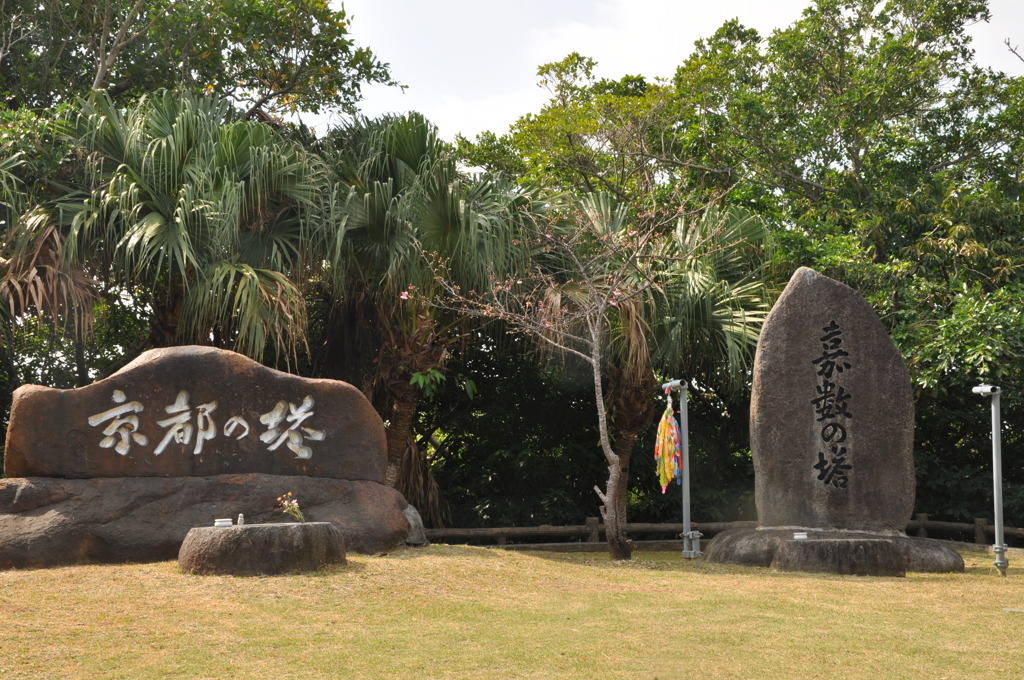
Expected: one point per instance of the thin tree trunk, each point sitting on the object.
(618, 492)
(620, 547)
(81, 369)
(78, 336)
(631, 405)
(613, 498)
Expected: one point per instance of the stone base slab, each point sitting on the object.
(838, 552)
(46, 521)
(850, 556)
(261, 549)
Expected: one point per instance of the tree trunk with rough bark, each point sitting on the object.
(404, 356)
(620, 547)
(404, 407)
(631, 404)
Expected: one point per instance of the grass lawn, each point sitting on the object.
(474, 613)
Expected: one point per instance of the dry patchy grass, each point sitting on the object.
(474, 613)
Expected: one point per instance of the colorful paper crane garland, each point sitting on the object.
(668, 448)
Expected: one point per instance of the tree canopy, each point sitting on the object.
(639, 226)
(269, 57)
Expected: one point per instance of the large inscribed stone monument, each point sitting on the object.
(120, 470)
(195, 411)
(831, 413)
(831, 434)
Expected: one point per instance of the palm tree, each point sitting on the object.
(209, 218)
(632, 301)
(412, 212)
(702, 321)
(36, 277)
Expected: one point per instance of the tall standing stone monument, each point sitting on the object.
(832, 435)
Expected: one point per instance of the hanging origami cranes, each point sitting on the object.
(668, 447)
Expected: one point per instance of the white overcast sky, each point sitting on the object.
(470, 65)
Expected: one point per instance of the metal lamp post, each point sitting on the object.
(997, 475)
(691, 539)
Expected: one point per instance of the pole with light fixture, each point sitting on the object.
(691, 538)
(997, 475)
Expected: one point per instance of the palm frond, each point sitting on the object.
(712, 301)
(10, 195)
(38, 279)
(252, 309)
(190, 201)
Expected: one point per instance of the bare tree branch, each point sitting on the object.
(17, 29)
(1014, 49)
(107, 58)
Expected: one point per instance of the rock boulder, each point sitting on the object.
(832, 438)
(261, 549)
(76, 521)
(831, 414)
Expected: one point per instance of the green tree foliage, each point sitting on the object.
(269, 57)
(32, 153)
(213, 222)
(38, 287)
(853, 111)
(885, 156)
(630, 286)
(409, 210)
(592, 135)
(894, 163)
(523, 450)
(627, 299)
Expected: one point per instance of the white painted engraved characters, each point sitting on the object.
(831, 405)
(293, 434)
(179, 426)
(123, 427)
(193, 426)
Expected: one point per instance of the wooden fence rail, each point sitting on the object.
(593, 530)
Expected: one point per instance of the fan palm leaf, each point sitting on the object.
(712, 302)
(218, 218)
(35, 277)
(252, 308)
(10, 193)
(410, 213)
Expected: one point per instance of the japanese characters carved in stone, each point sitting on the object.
(195, 411)
(832, 416)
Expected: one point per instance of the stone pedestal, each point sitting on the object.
(837, 552)
(47, 522)
(851, 556)
(261, 549)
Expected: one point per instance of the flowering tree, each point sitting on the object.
(609, 289)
